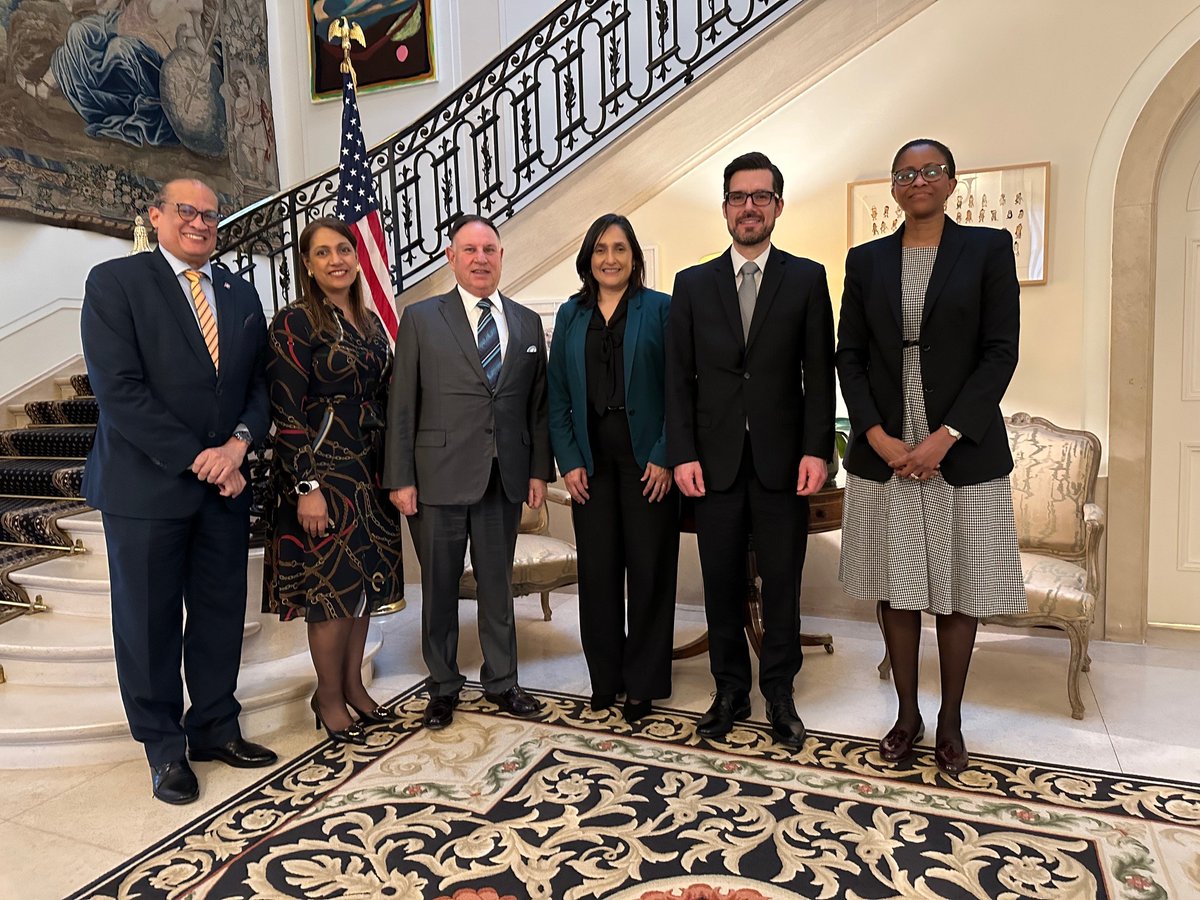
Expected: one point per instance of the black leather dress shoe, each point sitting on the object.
(636, 709)
(602, 701)
(174, 782)
(785, 722)
(725, 709)
(439, 711)
(517, 701)
(899, 744)
(239, 753)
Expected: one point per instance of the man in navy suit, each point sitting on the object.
(749, 427)
(175, 349)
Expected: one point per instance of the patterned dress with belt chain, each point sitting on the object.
(328, 400)
(928, 545)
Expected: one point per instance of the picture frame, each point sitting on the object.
(1014, 197)
(399, 47)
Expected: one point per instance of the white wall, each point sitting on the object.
(1018, 82)
(45, 266)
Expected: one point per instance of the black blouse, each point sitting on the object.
(604, 360)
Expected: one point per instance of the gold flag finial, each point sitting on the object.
(347, 32)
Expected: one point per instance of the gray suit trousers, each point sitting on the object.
(440, 534)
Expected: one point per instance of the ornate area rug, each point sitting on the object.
(579, 804)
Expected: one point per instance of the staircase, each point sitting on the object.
(60, 705)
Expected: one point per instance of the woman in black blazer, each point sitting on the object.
(927, 344)
(606, 385)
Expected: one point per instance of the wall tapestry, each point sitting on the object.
(398, 51)
(101, 101)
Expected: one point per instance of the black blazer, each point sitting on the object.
(779, 381)
(969, 339)
(161, 401)
(444, 421)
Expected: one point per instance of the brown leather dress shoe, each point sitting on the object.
(517, 702)
(898, 744)
(439, 711)
(951, 757)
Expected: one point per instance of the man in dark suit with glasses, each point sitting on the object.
(175, 349)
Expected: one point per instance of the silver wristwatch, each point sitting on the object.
(243, 434)
(307, 487)
(954, 432)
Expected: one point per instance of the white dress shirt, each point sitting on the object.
(178, 266)
(739, 261)
(474, 313)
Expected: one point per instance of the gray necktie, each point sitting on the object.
(747, 294)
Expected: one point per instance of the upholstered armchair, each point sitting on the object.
(541, 563)
(1058, 528)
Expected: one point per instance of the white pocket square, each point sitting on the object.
(531, 349)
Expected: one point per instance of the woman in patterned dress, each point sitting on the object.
(927, 344)
(334, 555)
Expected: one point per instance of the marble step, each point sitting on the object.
(49, 726)
(78, 584)
(46, 649)
(87, 527)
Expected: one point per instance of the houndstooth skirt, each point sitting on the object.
(928, 545)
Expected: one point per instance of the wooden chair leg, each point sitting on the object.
(546, 606)
(1078, 635)
(885, 664)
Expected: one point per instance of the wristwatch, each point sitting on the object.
(307, 487)
(243, 434)
(954, 432)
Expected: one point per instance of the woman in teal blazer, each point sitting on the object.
(606, 384)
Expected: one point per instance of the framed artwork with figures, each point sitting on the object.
(1015, 198)
(398, 51)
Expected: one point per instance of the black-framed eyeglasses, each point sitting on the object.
(931, 173)
(187, 212)
(758, 198)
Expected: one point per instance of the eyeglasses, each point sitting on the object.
(187, 212)
(760, 198)
(931, 173)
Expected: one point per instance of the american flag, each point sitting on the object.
(356, 206)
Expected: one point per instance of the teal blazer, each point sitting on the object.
(644, 348)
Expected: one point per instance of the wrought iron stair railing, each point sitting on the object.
(576, 80)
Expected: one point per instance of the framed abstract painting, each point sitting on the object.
(398, 51)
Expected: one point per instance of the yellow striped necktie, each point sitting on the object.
(208, 324)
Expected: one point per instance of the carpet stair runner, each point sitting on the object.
(59, 701)
(40, 464)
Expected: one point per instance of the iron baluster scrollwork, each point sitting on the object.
(568, 86)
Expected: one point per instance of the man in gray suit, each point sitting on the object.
(467, 443)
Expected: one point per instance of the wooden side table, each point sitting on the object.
(824, 514)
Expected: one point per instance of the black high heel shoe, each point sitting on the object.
(380, 715)
(351, 735)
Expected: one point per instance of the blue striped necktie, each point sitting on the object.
(488, 337)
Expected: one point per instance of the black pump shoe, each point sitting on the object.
(351, 735)
(380, 715)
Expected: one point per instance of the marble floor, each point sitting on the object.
(60, 828)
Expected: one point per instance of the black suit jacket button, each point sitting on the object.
(487, 431)
(746, 375)
(212, 434)
(926, 348)
(633, 412)
(928, 390)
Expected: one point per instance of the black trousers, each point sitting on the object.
(440, 535)
(157, 568)
(778, 521)
(625, 542)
